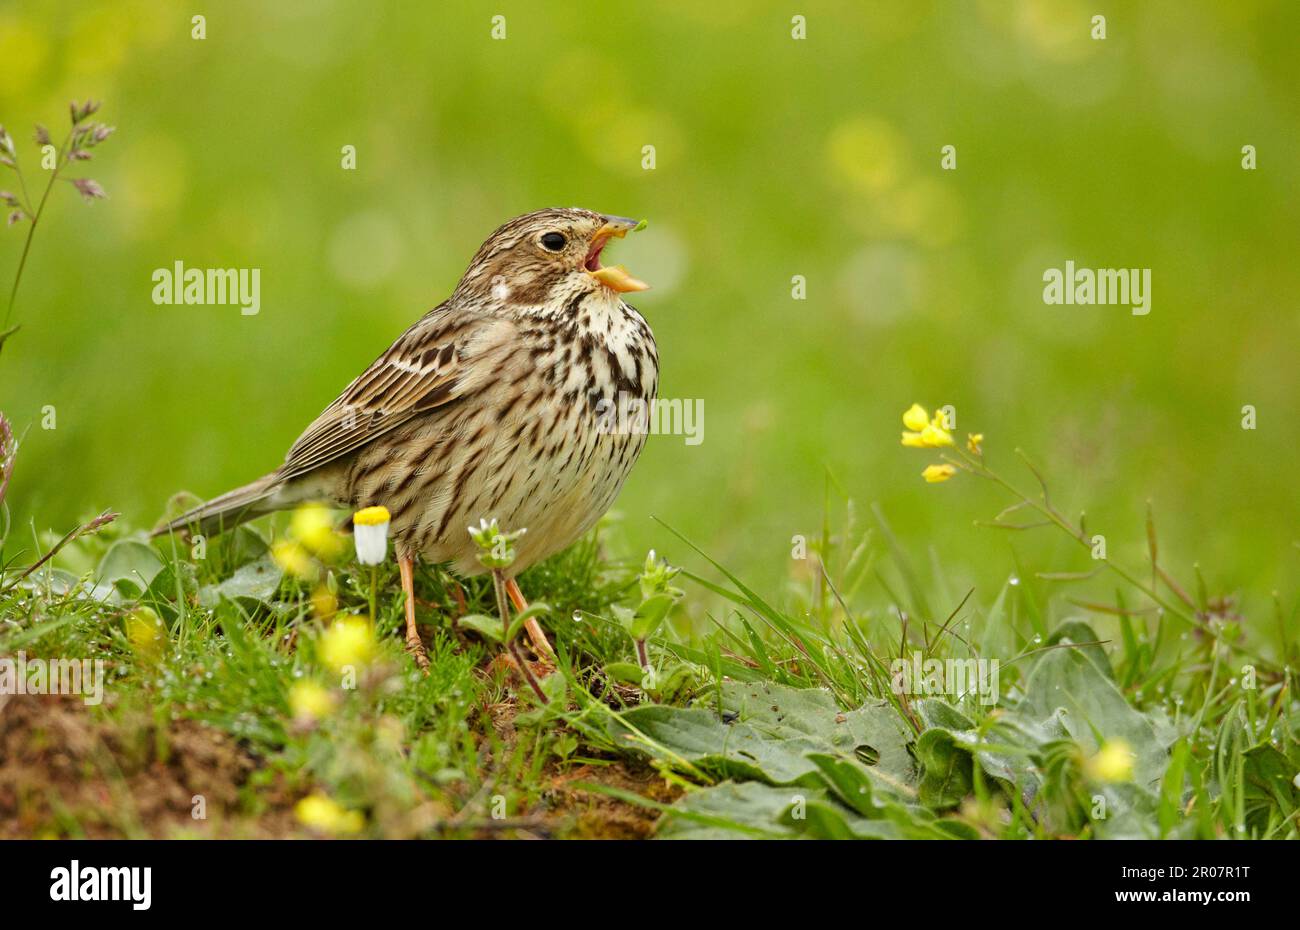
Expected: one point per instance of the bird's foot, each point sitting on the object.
(416, 648)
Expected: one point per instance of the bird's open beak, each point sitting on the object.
(615, 277)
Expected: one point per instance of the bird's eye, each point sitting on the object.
(553, 241)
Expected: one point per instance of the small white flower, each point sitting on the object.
(370, 533)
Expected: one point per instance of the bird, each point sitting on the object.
(494, 405)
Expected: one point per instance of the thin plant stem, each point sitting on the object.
(499, 588)
(978, 467)
(35, 218)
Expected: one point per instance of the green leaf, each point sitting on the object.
(948, 769)
(848, 779)
(485, 626)
(1270, 790)
(1068, 684)
(732, 808)
(257, 581)
(874, 732)
(517, 623)
(936, 712)
(627, 672)
(1077, 631)
(1171, 789)
(774, 730)
(748, 809)
(128, 558)
(651, 614)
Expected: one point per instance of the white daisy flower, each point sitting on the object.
(370, 532)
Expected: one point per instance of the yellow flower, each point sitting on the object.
(1113, 762)
(323, 813)
(313, 526)
(915, 418)
(936, 473)
(923, 432)
(323, 602)
(371, 516)
(935, 436)
(294, 559)
(349, 641)
(973, 441)
(309, 701)
(144, 630)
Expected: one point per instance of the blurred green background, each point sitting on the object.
(775, 158)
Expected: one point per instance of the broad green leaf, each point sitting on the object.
(1077, 631)
(1271, 794)
(874, 733)
(1067, 683)
(696, 736)
(627, 672)
(939, 713)
(732, 810)
(485, 626)
(774, 729)
(129, 558)
(947, 769)
(257, 581)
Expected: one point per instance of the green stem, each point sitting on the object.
(35, 219)
(499, 587)
(977, 466)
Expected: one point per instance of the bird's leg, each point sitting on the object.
(540, 642)
(406, 565)
(458, 593)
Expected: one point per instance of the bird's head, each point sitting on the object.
(547, 256)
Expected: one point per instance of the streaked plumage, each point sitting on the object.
(486, 407)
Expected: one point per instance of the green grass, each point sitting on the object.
(770, 712)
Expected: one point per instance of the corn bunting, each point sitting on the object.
(494, 405)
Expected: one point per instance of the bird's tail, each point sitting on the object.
(262, 496)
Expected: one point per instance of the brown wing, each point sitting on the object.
(420, 372)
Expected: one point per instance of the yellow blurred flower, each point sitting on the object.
(936, 473)
(323, 602)
(915, 418)
(291, 556)
(1113, 762)
(309, 701)
(935, 435)
(349, 641)
(313, 526)
(144, 630)
(973, 441)
(923, 432)
(323, 813)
